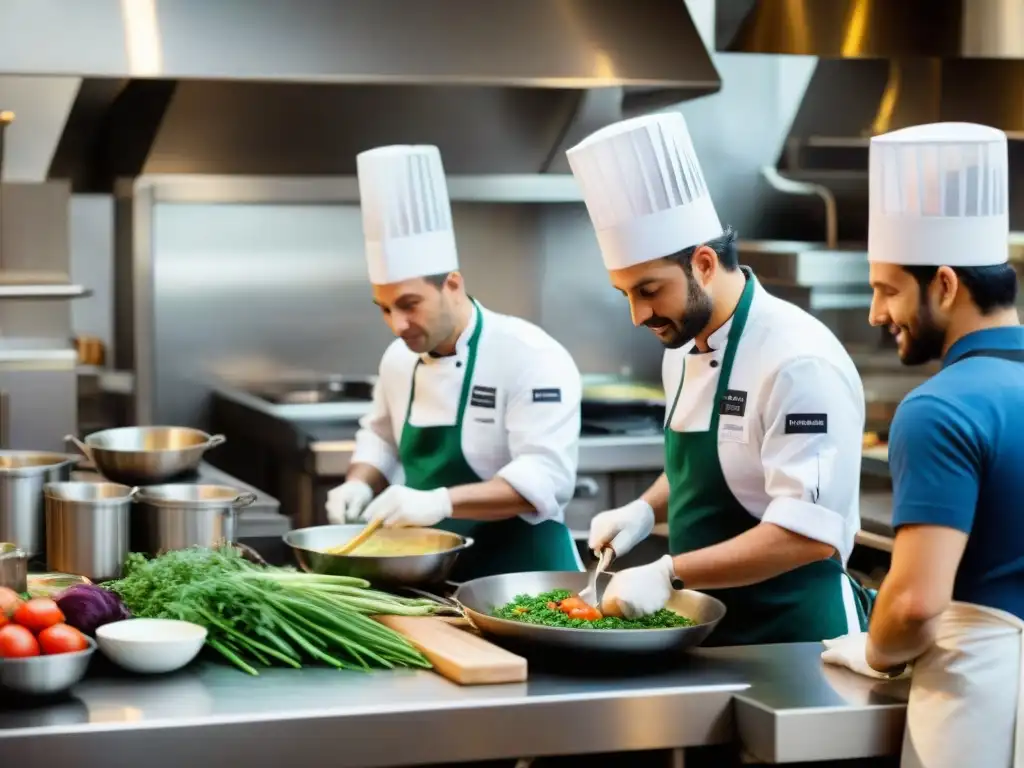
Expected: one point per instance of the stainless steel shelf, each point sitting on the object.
(42, 291)
(497, 188)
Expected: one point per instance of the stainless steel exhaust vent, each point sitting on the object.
(858, 29)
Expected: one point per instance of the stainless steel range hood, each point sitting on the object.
(258, 87)
(848, 102)
(855, 29)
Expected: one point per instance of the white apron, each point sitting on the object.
(965, 708)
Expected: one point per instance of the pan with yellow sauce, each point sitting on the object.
(391, 556)
(377, 546)
(398, 542)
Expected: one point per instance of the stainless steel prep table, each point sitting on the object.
(780, 701)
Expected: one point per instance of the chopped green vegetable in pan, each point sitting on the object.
(549, 609)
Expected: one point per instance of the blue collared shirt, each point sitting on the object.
(956, 453)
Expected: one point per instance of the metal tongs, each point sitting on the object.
(604, 559)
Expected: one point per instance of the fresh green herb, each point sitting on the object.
(537, 609)
(262, 616)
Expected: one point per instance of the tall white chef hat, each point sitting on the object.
(407, 218)
(644, 189)
(939, 195)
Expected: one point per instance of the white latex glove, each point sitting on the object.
(401, 507)
(623, 528)
(639, 591)
(345, 504)
(850, 651)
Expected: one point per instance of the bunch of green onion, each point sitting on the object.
(263, 616)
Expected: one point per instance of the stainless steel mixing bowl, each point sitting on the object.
(148, 455)
(480, 597)
(309, 545)
(42, 675)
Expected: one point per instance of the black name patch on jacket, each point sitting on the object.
(733, 403)
(483, 397)
(806, 423)
(552, 395)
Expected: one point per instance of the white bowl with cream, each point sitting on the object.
(151, 646)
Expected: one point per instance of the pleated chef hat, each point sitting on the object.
(407, 217)
(939, 195)
(644, 189)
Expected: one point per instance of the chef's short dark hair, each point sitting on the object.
(724, 246)
(437, 280)
(992, 288)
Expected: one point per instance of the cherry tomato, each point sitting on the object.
(9, 600)
(60, 638)
(4, 621)
(17, 643)
(38, 614)
(570, 604)
(587, 613)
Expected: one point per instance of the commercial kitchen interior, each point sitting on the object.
(181, 238)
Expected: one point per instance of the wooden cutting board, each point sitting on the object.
(462, 657)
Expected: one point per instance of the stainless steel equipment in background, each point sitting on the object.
(22, 477)
(146, 455)
(13, 567)
(87, 528)
(179, 516)
(37, 358)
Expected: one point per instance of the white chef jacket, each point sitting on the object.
(792, 423)
(522, 420)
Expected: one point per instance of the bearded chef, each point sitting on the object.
(952, 603)
(763, 435)
(479, 411)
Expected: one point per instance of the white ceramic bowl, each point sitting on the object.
(151, 646)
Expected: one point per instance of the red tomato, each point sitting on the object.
(570, 604)
(17, 643)
(60, 638)
(38, 614)
(587, 613)
(4, 621)
(9, 600)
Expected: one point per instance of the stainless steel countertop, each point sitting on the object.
(779, 700)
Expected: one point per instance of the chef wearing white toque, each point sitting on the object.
(763, 435)
(475, 419)
(952, 604)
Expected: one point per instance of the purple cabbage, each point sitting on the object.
(87, 607)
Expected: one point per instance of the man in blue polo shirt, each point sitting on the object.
(952, 605)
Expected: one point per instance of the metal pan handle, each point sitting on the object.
(242, 500)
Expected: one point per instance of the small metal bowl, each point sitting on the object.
(44, 675)
(310, 545)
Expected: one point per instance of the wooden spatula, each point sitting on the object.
(359, 538)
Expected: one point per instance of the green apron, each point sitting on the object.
(432, 458)
(803, 605)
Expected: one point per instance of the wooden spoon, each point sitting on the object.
(361, 537)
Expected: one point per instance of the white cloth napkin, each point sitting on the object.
(850, 651)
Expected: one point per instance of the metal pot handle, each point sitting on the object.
(215, 440)
(79, 445)
(242, 500)
(133, 493)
